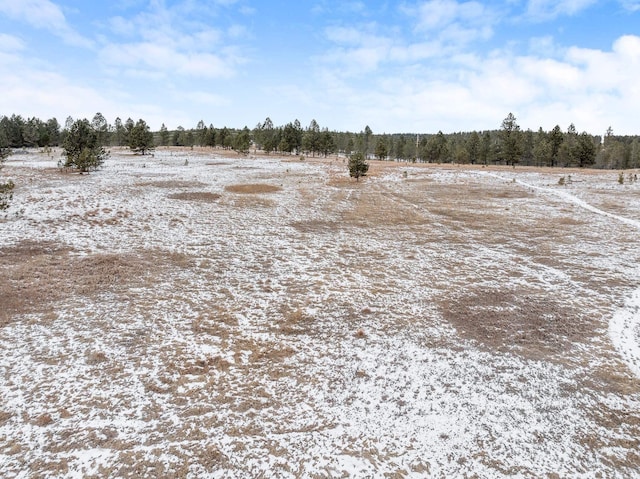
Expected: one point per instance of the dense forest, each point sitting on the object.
(505, 145)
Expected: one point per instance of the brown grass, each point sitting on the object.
(5, 416)
(39, 275)
(170, 184)
(200, 196)
(253, 188)
(511, 320)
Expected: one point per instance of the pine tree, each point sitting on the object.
(6, 188)
(242, 141)
(381, 149)
(357, 165)
(511, 140)
(164, 135)
(140, 137)
(82, 149)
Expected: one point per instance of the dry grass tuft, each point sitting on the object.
(295, 321)
(253, 188)
(360, 334)
(43, 420)
(5, 416)
(95, 357)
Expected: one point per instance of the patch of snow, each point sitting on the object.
(624, 329)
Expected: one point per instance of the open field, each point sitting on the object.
(195, 314)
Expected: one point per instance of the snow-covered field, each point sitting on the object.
(195, 314)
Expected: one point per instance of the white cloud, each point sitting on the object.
(32, 90)
(10, 43)
(631, 5)
(45, 15)
(166, 61)
(588, 87)
(452, 21)
(549, 9)
(166, 43)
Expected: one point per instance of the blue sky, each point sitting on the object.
(411, 66)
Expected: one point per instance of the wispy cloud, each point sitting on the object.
(541, 10)
(546, 84)
(451, 21)
(164, 42)
(631, 5)
(45, 15)
(10, 43)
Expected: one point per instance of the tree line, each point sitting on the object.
(508, 144)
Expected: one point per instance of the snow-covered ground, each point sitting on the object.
(194, 314)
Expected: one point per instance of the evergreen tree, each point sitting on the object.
(585, 151)
(200, 134)
(436, 148)
(267, 136)
(224, 138)
(101, 127)
(210, 139)
(366, 139)
(164, 135)
(53, 132)
(326, 144)
(556, 138)
(357, 165)
(6, 187)
(242, 141)
(311, 138)
(119, 133)
(381, 148)
(81, 147)
(473, 147)
(348, 149)
(567, 151)
(542, 151)
(486, 153)
(140, 137)
(398, 151)
(511, 140)
(128, 127)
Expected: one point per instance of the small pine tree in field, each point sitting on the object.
(141, 137)
(82, 149)
(357, 166)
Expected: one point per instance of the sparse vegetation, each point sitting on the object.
(226, 312)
